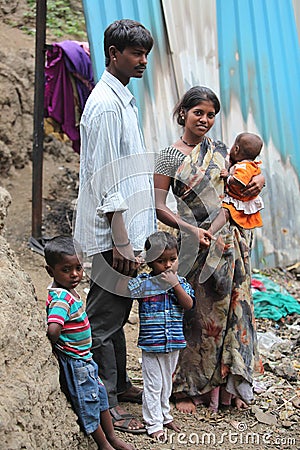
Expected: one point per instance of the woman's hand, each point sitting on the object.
(204, 237)
(254, 187)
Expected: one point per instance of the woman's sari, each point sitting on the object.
(220, 330)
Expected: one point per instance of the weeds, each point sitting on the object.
(63, 19)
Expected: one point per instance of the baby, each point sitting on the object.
(244, 211)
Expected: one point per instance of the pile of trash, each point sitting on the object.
(271, 300)
(277, 314)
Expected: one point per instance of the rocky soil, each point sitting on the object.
(271, 423)
(33, 413)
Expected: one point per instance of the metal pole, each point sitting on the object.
(38, 131)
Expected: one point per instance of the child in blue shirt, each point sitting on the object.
(70, 334)
(163, 296)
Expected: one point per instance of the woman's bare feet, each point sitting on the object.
(185, 405)
(240, 404)
(173, 426)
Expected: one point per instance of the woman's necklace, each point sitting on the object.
(189, 145)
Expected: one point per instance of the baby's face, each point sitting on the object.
(233, 153)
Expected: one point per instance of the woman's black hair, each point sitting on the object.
(126, 33)
(193, 97)
(57, 247)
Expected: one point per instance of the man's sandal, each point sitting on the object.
(126, 418)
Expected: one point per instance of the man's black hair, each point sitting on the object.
(126, 33)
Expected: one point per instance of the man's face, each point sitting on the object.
(131, 62)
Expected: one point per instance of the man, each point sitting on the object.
(115, 210)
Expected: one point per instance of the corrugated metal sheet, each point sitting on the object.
(259, 66)
(195, 58)
(248, 52)
(156, 93)
(192, 32)
(296, 5)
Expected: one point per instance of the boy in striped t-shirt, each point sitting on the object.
(70, 334)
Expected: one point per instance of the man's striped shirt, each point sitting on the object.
(116, 171)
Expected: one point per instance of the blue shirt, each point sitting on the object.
(161, 316)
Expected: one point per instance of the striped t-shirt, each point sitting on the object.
(161, 316)
(63, 308)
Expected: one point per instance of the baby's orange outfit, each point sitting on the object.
(244, 210)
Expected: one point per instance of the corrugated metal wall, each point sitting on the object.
(247, 51)
(260, 92)
(156, 93)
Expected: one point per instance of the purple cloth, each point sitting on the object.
(79, 64)
(62, 58)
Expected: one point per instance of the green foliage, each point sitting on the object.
(62, 19)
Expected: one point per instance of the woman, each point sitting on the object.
(219, 361)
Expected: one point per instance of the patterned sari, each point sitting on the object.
(220, 331)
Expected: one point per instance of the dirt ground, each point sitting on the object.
(272, 423)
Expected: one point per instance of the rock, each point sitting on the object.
(296, 402)
(262, 417)
(283, 369)
(32, 406)
(5, 201)
(287, 423)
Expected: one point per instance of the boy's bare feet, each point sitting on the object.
(105, 446)
(159, 436)
(173, 426)
(118, 444)
(112, 440)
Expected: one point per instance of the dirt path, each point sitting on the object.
(230, 429)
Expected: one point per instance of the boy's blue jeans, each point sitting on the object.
(85, 390)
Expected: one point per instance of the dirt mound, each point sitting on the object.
(32, 407)
(16, 104)
(31, 403)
